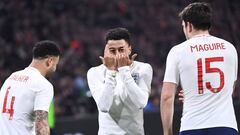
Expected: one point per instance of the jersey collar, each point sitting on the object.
(201, 35)
(33, 69)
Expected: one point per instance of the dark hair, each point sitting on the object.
(44, 49)
(118, 34)
(199, 14)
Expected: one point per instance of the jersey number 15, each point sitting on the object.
(209, 69)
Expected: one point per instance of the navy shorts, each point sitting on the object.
(211, 131)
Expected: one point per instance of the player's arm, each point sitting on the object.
(102, 91)
(167, 106)
(137, 92)
(41, 122)
(171, 79)
(43, 98)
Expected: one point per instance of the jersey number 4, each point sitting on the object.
(209, 69)
(4, 109)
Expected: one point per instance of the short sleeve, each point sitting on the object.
(236, 62)
(172, 71)
(43, 98)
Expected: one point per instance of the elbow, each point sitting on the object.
(168, 92)
(141, 106)
(104, 103)
(142, 103)
(167, 98)
(103, 108)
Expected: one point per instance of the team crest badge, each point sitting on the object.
(135, 76)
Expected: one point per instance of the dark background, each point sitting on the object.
(79, 27)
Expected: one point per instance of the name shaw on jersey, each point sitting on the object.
(207, 47)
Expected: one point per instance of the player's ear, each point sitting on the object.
(49, 61)
(46, 62)
(190, 27)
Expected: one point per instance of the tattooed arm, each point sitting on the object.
(41, 122)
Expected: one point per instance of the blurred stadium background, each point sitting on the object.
(79, 27)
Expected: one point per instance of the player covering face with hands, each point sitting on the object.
(116, 54)
(120, 86)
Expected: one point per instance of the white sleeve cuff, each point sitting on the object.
(125, 73)
(110, 77)
(124, 69)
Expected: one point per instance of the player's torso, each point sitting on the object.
(137, 69)
(17, 103)
(207, 67)
(128, 119)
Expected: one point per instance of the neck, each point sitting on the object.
(199, 32)
(38, 64)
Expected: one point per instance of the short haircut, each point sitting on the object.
(44, 49)
(199, 14)
(118, 34)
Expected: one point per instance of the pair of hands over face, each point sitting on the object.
(114, 61)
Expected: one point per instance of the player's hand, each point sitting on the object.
(132, 59)
(109, 60)
(181, 96)
(122, 59)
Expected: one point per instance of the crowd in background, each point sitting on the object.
(79, 27)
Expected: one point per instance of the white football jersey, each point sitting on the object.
(206, 67)
(21, 94)
(120, 97)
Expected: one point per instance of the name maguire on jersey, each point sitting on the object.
(207, 47)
